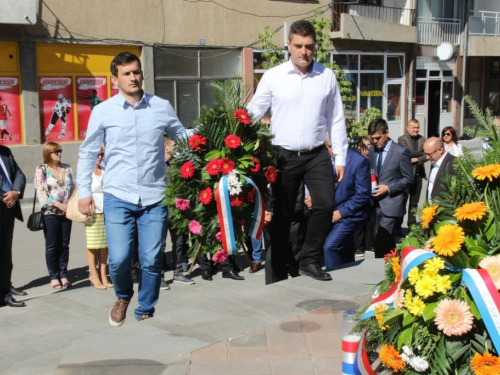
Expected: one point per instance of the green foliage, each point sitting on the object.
(272, 53)
(357, 129)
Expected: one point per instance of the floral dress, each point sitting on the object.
(52, 188)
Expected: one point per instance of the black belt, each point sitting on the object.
(284, 151)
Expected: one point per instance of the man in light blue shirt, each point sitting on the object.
(131, 125)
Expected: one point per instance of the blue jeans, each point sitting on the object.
(57, 232)
(257, 250)
(121, 219)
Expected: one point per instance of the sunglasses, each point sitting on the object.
(57, 152)
(448, 134)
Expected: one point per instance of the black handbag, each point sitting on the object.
(35, 222)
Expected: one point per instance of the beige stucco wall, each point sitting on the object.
(172, 22)
(483, 46)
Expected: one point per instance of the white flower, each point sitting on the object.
(407, 351)
(233, 183)
(375, 294)
(419, 364)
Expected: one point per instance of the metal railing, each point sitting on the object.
(401, 16)
(484, 23)
(434, 31)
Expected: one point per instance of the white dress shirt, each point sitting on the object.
(304, 106)
(432, 176)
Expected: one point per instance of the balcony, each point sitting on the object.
(371, 22)
(434, 31)
(484, 29)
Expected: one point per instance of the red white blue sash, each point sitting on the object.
(258, 212)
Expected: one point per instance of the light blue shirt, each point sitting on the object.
(384, 153)
(135, 156)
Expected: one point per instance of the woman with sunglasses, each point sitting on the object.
(450, 140)
(97, 244)
(54, 183)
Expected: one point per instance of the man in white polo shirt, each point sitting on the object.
(305, 101)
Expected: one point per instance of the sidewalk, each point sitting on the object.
(262, 328)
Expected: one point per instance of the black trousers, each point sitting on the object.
(317, 173)
(414, 197)
(7, 218)
(57, 231)
(179, 249)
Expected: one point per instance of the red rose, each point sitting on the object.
(206, 196)
(251, 196)
(187, 170)
(213, 166)
(227, 166)
(195, 141)
(236, 200)
(242, 116)
(232, 141)
(271, 174)
(256, 165)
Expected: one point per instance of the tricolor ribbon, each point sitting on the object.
(487, 300)
(410, 258)
(362, 364)
(226, 218)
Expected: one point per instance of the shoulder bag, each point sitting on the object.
(72, 211)
(35, 222)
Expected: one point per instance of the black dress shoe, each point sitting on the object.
(17, 292)
(13, 303)
(231, 275)
(315, 272)
(206, 276)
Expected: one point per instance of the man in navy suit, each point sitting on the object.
(392, 165)
(352, 208)
(12, 184)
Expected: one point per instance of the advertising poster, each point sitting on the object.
(56, 99)
(114, 89)
(10, 111)
(90, 92)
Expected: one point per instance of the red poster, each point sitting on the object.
(90, 91)
(10, 111)
(114, 89)
(56, 116)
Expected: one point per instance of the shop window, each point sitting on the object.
(395, 67)
(372, 62)
(421, 73)
(371, 91)
(176, 63)
(394, 102)
(351, 105)
(347, 62)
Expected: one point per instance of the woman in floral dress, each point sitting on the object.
(55, 183)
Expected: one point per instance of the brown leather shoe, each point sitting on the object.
(118, 313)
(256, 266)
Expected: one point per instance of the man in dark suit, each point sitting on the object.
(392, 164)
(414, 142)
(12, 187)
(442, 165)
(352, 209)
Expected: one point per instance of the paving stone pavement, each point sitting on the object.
(67, 332)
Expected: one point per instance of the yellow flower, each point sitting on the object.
(416, 306)
(449, 240)
(408, 297)
(471, 211)
(413, 275)
(485, 364)
(396, 268)
(425, 287)
(427, 215)
(434, 264)
(391, 358)
(443, 284)
(428, 273)
(487, 172)
(379, 309)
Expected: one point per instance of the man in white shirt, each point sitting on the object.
(441, 166)
(305, 101)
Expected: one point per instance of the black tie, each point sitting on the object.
(379, 161)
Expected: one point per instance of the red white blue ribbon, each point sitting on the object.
(362, 364)
(226, 218)
(410, 258)
(487, 300)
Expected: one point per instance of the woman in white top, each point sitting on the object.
(97, 245)
(450, 140)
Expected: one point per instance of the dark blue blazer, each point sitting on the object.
(353, 193)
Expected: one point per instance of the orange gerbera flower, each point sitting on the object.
(391, 358)
(487, 172)
(428, 214)
(471, 211)
(396, 268)
(449, 240)
(485, 364)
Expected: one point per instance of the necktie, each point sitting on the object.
(6, 185)
(379, 161)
